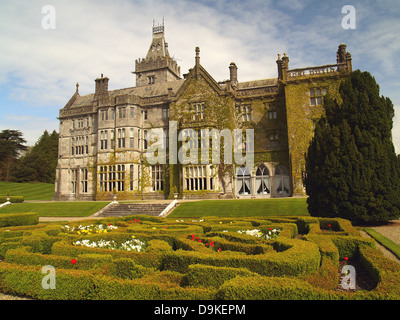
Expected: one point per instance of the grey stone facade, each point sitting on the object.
(102, 137)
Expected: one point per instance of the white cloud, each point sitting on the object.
(40, 67)
(32, 127)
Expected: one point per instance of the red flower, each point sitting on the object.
(73, 261)
(199, 240)
(219, 249)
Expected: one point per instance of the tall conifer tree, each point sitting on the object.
(352, 170)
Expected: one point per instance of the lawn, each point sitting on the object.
(56, 209)
(242, 208)
(387, 243)
(30, 191)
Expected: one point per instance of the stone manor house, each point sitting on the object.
(103, 135)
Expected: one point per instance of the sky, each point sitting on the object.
(43, 54)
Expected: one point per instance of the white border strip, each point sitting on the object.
(168, 208)
(5, 204)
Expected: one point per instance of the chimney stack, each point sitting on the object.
(233, 73)
(101, 90)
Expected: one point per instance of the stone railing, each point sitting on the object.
(319, 70)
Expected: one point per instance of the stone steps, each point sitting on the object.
(126, 209)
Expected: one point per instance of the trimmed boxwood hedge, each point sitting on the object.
(18, 219)
(13, 199)
(173, 266)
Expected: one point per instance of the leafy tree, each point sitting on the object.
(39, 164)
(11, 145)
(352, 170)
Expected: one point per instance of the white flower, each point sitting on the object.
(259, 234)
(130, 245)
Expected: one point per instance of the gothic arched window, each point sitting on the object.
(243, 181)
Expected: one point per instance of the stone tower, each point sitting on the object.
(158, 66)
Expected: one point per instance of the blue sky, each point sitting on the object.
(39, 68)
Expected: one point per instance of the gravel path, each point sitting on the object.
(65, 219)
(390, 231)
(385, 251)
(9, 297)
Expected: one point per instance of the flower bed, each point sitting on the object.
(143, 257)
(129, 245)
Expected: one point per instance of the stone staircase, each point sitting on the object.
(127, 209)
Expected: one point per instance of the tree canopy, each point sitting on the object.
(40, 163)
(352, 170)
(11, 145)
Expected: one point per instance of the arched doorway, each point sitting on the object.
(281, 181)
(263, 180)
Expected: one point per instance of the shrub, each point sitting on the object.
(173, 266)
(127, 269)
(158, 246)
(348, 246)
(24, 256)
(18, 219)
(270, 288)
(299, 257)
(304, 224)
(13, 199)
(209, 276)
(92, 260)
(4, 247)
(39, 241)
(326, 277)
(326, 247)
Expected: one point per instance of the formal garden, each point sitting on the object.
(206, 258)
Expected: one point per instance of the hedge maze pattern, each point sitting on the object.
(143, 257)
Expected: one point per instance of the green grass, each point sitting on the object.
(242, 208)
(30, 191)
(387, 243)
(56, 209)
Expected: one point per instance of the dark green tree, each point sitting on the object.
(39, 164)
(12, 144)
(352, 170)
